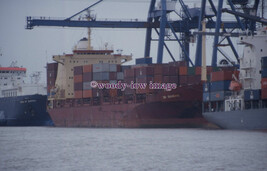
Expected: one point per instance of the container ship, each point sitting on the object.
(238, 99)
(171, 97)
(22, 104)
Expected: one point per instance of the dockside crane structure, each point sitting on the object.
(191, 19)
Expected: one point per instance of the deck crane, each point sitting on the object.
(157, 19)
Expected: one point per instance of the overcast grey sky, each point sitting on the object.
(34, 48)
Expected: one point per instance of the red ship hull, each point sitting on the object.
(178, 108)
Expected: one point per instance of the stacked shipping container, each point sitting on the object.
(144, 75)
(129, 76)
(78, 82)
(101, 73)
(218, 87)
(112, 73)
(87, 78)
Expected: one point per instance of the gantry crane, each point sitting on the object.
(158, 19)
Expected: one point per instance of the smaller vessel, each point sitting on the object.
(22, 104)
(239, 101)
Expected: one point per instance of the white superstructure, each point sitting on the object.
(83, 54)
(250, 63)
(12, 83)
(250, 68)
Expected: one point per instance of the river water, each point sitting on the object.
(80, 149)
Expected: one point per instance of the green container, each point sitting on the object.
(191, 71)
(208, 78)
(215, 69)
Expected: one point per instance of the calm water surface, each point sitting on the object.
(45, 148)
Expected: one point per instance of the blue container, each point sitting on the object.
(206, 96)
(264, 62)
(97, 76)
(100, 76)
(120, 76)
(252, 95)
(264, 73)
(101, 67)
(124, 67)
(87, 85)
(113, 67)
(143, 61)
(219, 95)
(219, 86)
(105, 75)
(206, 87)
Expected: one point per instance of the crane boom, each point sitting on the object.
(179, 26)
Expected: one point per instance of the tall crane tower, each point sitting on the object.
(158, 21)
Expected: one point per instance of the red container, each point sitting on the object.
(129, 80)
(52, 74)
(113, 92)
(166, 70)
(118, 68)
(87, 93)
(129, 73)
(52, 66)
(193, 79)
(88, 68)
(144, 71)
(264, 83)
(173, 70)
(264, 93)
(170, 70)
(158, 78)
(209, 69)
(78, 70)
(198, 70)
(87, 76)
(158, 69)
(174, 79)
(182, 70)
(223, 75)
(78, 94)
(146, 79)
(113, 75)
(51, 82)
(78, 78)
(166, 79)
(183, 79)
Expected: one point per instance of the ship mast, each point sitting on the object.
(204, 67)
(89, 18)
